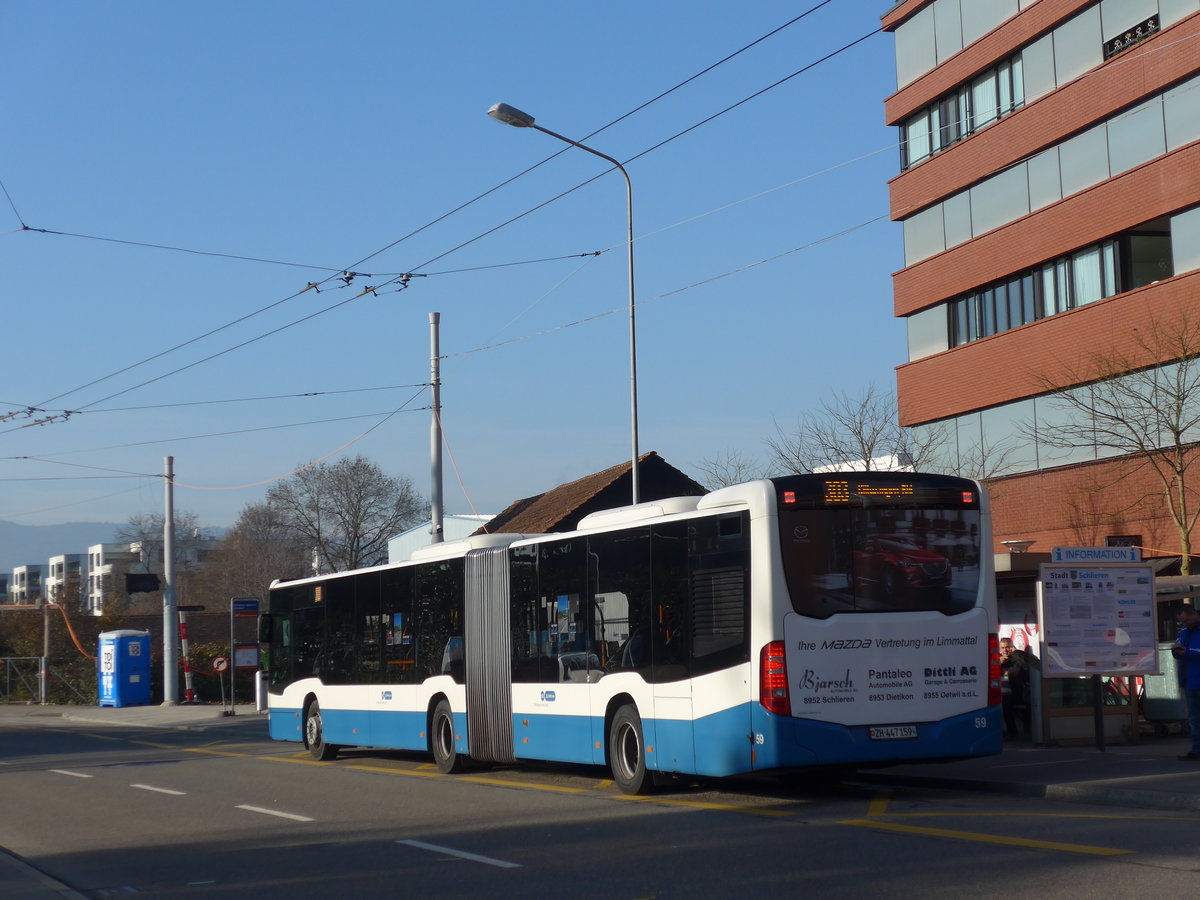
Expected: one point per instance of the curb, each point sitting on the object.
(1080, 793)
(30, 873)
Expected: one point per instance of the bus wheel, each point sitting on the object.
(626, 753)
(314, 735)
(441, 740)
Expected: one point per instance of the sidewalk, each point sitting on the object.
(1147, 775)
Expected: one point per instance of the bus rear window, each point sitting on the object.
(880, 559)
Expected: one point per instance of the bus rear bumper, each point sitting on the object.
(791, 742)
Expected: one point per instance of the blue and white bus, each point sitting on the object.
(811, 620)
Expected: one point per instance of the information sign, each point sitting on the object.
(1097, 619)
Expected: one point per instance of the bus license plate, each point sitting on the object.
(892, 732)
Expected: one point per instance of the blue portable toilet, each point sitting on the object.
(123, 668)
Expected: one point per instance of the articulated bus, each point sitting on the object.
(841, 620)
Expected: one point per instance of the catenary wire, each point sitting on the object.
(428, 225)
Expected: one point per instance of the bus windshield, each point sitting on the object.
(890, 553)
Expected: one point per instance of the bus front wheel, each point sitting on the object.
(627, 753)
(441, 740)
(314, 735)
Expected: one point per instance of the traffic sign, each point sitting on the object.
(220, 664)
(243, 607)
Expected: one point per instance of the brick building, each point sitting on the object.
(1049, 194)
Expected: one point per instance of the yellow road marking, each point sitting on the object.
(295, 760)
(210, 752)
(699, 804)
(153, 744)
(985, 838)
(879, 804)
(501, 782)
(1028, 815)
(102, 737)
(413, 773)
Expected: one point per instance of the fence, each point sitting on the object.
(21, 681)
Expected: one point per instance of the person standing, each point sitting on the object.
(1014, 674)
(1187, 655)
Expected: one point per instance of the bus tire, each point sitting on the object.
(441, 740)
(627, 752)
(314, 735)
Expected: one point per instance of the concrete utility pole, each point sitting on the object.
(170, 614)
(435, 431)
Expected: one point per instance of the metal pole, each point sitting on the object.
(189, 693)
(509, 115)
(44, 674)
(170, 615)
(633, 392)
(435, 432)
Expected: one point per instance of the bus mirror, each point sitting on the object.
(266, 629)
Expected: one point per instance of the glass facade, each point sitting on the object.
(1126, 140)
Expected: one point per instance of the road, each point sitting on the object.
(115, 811)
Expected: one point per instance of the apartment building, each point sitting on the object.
(1049, 192)
(106, 568)
(26, 587)
(65, 580)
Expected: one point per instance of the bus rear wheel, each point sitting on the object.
(627, 753)
(314, 735)
(441, 740)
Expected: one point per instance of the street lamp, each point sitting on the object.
(510, 115)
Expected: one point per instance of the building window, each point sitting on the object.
(1066, 283)
(949, 119)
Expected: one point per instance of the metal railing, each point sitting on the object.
(22, 681)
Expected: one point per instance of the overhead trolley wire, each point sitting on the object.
(389, 246)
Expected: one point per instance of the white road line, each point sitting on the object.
(275, 812)
(158, 790)
(69, 772)
(462, 854)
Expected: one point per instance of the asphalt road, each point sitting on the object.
(115, 811)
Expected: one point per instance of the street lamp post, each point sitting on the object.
(510, 115)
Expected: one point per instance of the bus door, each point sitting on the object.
(488, 656)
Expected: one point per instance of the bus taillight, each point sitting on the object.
(773, 680)
(993, 670)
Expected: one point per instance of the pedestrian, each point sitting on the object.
(1014, 690)
(1187, 655)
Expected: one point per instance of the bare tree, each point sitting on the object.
(259, 548)
(347, 511)
(857, 432)
(146, 531)
(731, 467)
(1121, 404)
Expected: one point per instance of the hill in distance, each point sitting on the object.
(31, 545)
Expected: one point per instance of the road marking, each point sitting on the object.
(879, 804)
(986, 838)
(501, 782)
(700, 804)
(158, 790)
(275, 812)
(1118, 817)
(69, 772)
(462, 854)
(154, 744)
(209, 752)
(411, 773)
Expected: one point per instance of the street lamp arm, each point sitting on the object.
(510, 115)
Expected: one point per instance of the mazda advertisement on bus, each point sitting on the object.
(851, 659)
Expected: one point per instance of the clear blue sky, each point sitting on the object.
(317, 133)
